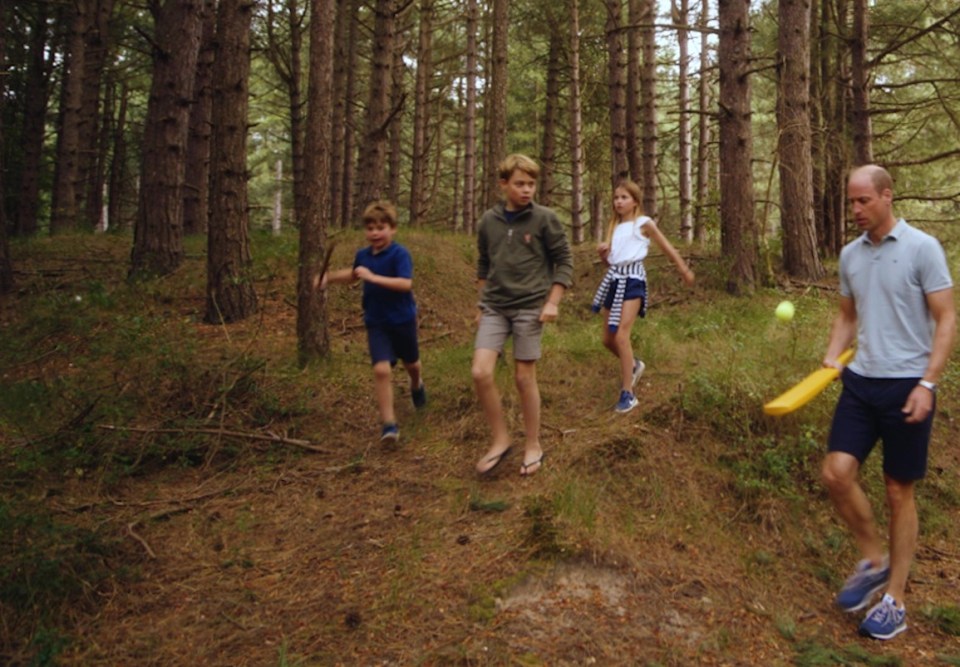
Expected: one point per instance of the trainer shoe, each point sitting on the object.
(390, 433)
(638, 367)
(419, 396)
(627, 402)
(863, 584)
(884, 620)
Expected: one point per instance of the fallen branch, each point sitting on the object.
(272, 437)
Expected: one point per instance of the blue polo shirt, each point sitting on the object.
(382, 306)
(889, 282)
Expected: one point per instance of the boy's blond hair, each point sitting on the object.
(516, 161)
(380, 211)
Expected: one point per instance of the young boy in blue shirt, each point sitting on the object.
(389, 310)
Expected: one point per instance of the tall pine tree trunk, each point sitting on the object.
(632, 110)
(576, 127)
(648, 106)
(681, 12)
(703, 133)
(6, 266)
(548, 150)
(738, 230)
(421, 115)
(64, 211)
(470, 122)
(371, 172)
(860, 83)
(794, 146)
(158, 233)
(313, 339)
(496, 99)
(617, 93)
(196, 191)
(36, 99)
(230, 292)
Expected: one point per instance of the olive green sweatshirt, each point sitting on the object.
(522, 259)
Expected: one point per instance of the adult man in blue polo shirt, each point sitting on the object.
(896, 299)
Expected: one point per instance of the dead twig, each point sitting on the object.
(271, 437)
(153, 517)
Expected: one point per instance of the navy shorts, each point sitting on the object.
(636, 289)
(868, 410)
(390, 342)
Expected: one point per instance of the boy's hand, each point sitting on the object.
(549, 312)
(688, 276)
(362, 273)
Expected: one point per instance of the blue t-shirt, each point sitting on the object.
(382, 306)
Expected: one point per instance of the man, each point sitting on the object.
(896, 298)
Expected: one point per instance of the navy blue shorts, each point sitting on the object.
(868, 410)
(392, 341)
(636, 289)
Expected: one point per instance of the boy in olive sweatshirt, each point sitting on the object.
(523, 269)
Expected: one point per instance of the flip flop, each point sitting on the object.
(497, 459)
(524, 467)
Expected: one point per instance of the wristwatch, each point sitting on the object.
(926, 384)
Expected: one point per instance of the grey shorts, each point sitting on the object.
(496, 326)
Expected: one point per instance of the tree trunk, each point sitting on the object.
(548, 150)
(681, 12)
(648, 106)
(398, 97)
(313, 340)
(576, 127)
(6, 266)
(703, 134)
(420, 159)
(345, 205)
(93, 152)
(800, 258)
(470, 123)
(196, 190)
(632, 110)
(373, 156)
(859, 83)
(496, 100)
(738, 229)
(835, 75)
(118, 190)
(66, 188)
(230, 293)
(616, 87)
(158, 232)
(341, 130)
(36, 98)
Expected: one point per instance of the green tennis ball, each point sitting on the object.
(784, 311)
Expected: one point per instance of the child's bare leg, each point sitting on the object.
(484, 364)
(383, 387)
(415, 371)
(622, 342)
(529, 390)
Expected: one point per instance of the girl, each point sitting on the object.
(623, 291)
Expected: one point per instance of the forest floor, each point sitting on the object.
(243, 512)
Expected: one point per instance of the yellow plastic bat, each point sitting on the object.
(806, 390)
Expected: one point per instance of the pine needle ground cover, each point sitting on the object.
(181, 493)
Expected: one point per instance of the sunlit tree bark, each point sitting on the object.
(576, 125)
(616, 92)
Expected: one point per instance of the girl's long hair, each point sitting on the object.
(634, 191)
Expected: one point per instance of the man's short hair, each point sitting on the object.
(880, 178)
(380, 211)
(516, 161)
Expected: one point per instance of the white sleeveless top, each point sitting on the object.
(629, 247)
